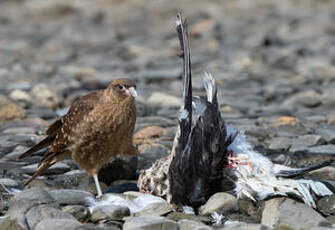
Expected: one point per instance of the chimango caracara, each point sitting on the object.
(97, 127)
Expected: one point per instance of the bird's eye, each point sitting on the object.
(121, 87)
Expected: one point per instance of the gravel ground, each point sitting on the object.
(273, 61)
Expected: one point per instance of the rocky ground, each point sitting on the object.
(274, 63)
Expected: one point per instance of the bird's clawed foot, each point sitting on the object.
(99, 197)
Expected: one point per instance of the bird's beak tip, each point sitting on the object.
(131, 92)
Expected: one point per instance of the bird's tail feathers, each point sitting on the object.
(42, 144)
(210, 87)
(40, 170)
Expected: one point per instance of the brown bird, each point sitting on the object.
(97, 127)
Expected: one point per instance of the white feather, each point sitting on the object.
(136, 205)
(210, 86)
(256, 175)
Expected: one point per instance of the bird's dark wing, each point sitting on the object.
(59, 131)
(185, 117)
(177, 186)
(77, 112)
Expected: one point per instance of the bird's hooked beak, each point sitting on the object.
(131, 92)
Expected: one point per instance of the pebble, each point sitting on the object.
(323, 173)
(151, 75)
(327, 205)
(70, 196)
(284, 212)
(192, 225)
(243, 226)
(56, 224)
(79, 212)
(149, 222)
(27, 200)
(308, 98)
(57, 168)
(8, 224)
(287, 121)
(307, 141)
(177, 216)
(109, 212)
(322, 149)
(219, 202)
(143, 122)
(155, 209)
(46, 96)
(163, 99)
(150, 132)
(20, 130)
(21, 97)
(9, 110)
(37, 214)
(328, 134)
(280, 144)
(149, 153)
(7, 182)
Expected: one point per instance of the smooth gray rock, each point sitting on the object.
(79, 212)
(21, 97)
(29, 199)
(245, 226)
(177, 216)
(160, 74)
(57, 224)
(109, 212)
(149, 223)
(324, 173)
(322, 149)
(281, 213)
(8, 182)
(328, 134)
(223, 202)
(150, 153)
(324, 228)
(9, 110)
(308, 98)
(46, 96)
(36, 214)
(70, 196)
(155, 209)
(10, 224)
(307, 140)
(143, 122)
(37, 195)
(252, 209)
(192, 225)
(331, 219)
(94, 227)
(20, 130)
(163, 99)
(327, 205)
(57, 168)
(280, 144)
